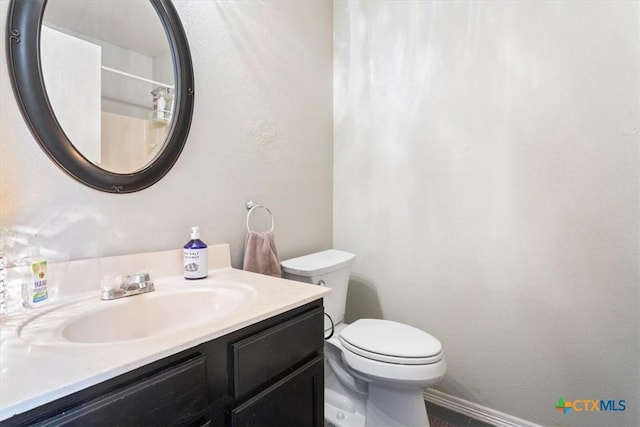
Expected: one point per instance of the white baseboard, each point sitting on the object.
(475, 411)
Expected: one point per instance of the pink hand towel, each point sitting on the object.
(260, 254)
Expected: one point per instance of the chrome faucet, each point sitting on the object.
(114, 287)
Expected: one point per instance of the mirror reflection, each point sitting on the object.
(108, 73)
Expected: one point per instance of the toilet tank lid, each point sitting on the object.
(318, 263)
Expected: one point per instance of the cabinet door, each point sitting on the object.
(296, 400)
(175, 396)
(259, 358)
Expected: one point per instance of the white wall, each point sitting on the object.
(72, 66)
(486, 174)
(262, 128)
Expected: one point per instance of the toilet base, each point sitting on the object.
(383, 409)
(388, 407)
(342, 408)
(381, 406)
(336, 416)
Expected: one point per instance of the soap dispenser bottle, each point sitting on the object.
(195, 256)
(33, 269)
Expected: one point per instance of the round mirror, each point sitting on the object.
(122, 80)
(106, 86)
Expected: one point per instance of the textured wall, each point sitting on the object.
(486, 174)
(262, 129)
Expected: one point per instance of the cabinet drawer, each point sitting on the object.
(295, 400)
(174, 396)
(260, 357)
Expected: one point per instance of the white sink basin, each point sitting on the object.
(136, 317)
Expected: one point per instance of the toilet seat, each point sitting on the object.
(391, 342)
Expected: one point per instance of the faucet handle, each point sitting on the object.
(136, 281)
(110, 282)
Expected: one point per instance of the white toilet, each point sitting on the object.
(376, 369)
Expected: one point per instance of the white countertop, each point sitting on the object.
(34, 372)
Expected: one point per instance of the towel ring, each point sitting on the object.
(251, 205)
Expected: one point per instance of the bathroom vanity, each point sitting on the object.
(259, 363)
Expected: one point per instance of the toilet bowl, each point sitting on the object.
(375, 369)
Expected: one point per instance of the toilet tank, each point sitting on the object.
(331, 268)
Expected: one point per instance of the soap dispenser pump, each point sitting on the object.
(195, 256)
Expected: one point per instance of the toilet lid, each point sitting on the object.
(318, 263)
(391, 342)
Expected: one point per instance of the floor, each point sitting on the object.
(442, 417)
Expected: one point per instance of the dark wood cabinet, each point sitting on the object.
(267, 374)
(289, 402)
(174, 396)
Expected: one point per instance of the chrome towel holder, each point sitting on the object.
(251, 206)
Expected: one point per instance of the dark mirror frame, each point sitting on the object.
(23, 59)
